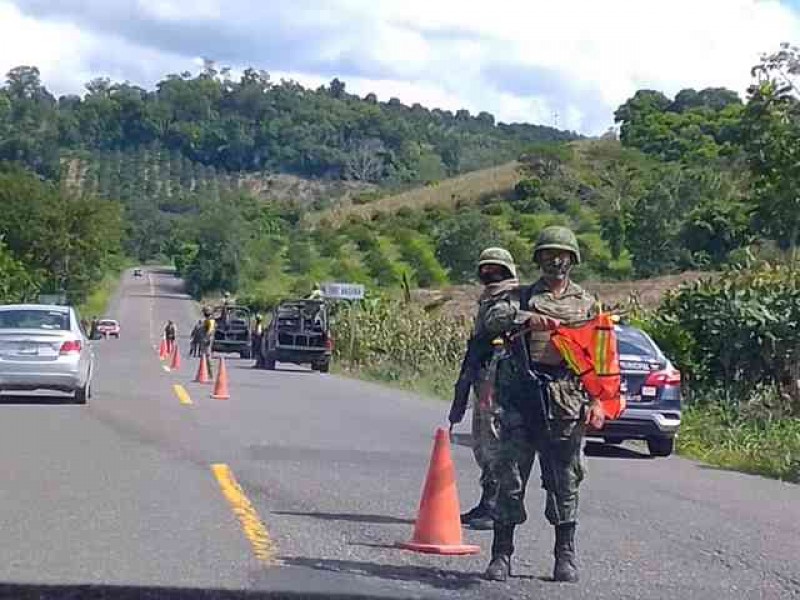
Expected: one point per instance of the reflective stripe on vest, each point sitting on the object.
(591, 352)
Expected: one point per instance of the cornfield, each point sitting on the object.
(379, 334)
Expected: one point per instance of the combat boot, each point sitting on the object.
(479, 512)
(480, 517)
(499, 568)
(565, 568)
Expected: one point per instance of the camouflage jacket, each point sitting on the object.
(506, 315)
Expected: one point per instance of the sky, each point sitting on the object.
(568, 63)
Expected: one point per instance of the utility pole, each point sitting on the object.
(555, 119)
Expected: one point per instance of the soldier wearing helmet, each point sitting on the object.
(206, 337)
(498, 274)
(544, 409)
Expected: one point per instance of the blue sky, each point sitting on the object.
(522, 60)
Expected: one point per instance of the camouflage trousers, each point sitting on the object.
(486, 445)
(559, 448)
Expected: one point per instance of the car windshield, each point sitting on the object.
(53, 320)
(632, 341)
(107, 323)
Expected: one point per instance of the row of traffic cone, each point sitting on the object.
(203, 370)
(221, 384)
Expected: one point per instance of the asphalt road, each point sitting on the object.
(300, 484)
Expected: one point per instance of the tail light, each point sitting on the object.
(662, 378)
(329, 344)
(70, 347)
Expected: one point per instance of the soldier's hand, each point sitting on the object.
(543, 323)
(595, 416)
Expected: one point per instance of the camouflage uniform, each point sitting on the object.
(485, 441)
(526, 432)
(485, 424)
(544, 416)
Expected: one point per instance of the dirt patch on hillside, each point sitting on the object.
(460, 299)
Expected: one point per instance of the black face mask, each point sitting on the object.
(557, 268)
(493, 277)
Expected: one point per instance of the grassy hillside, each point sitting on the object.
(456, 191)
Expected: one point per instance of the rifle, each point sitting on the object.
(518, 344)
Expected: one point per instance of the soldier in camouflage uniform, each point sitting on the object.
(498, 273)
(544, 409)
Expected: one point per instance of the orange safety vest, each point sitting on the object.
(591, 353)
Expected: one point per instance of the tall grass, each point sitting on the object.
(720, 436)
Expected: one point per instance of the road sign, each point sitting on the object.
(343, 291)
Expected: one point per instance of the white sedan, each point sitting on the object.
(42, 347)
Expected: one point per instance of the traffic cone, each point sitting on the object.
(162, 350)
(221, 385)
(202, 371)
(438, 526)
(176, 359)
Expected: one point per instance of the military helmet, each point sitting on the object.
(498, 256)
(557, 237)
(206, 311)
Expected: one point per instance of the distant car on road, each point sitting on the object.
(652, 387)
(108, 328)
(42, 347)
(298, 333)
(137, 272)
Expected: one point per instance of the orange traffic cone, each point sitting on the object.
(176, 359)
(438, 526)
(202, 371)
(221, 385)
(162, 350)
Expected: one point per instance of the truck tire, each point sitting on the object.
(323, 367)
(661, 447)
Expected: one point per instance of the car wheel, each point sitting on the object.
(116, 336)
(323, 367)
(82, 394)
(660, 446)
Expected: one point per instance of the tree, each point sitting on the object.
(366, 160)
(336, 88)
(460, 240)
(17, 284)
(772, 141)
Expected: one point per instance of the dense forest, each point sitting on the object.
(255, 124)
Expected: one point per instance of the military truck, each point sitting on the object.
(232, 330)
(298, 333)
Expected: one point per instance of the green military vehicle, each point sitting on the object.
(232, 331)
(298, 333)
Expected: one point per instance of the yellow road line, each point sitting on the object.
(253, 528)
(182, 394)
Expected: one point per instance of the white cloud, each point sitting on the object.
(519, 59)
(59, 50)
